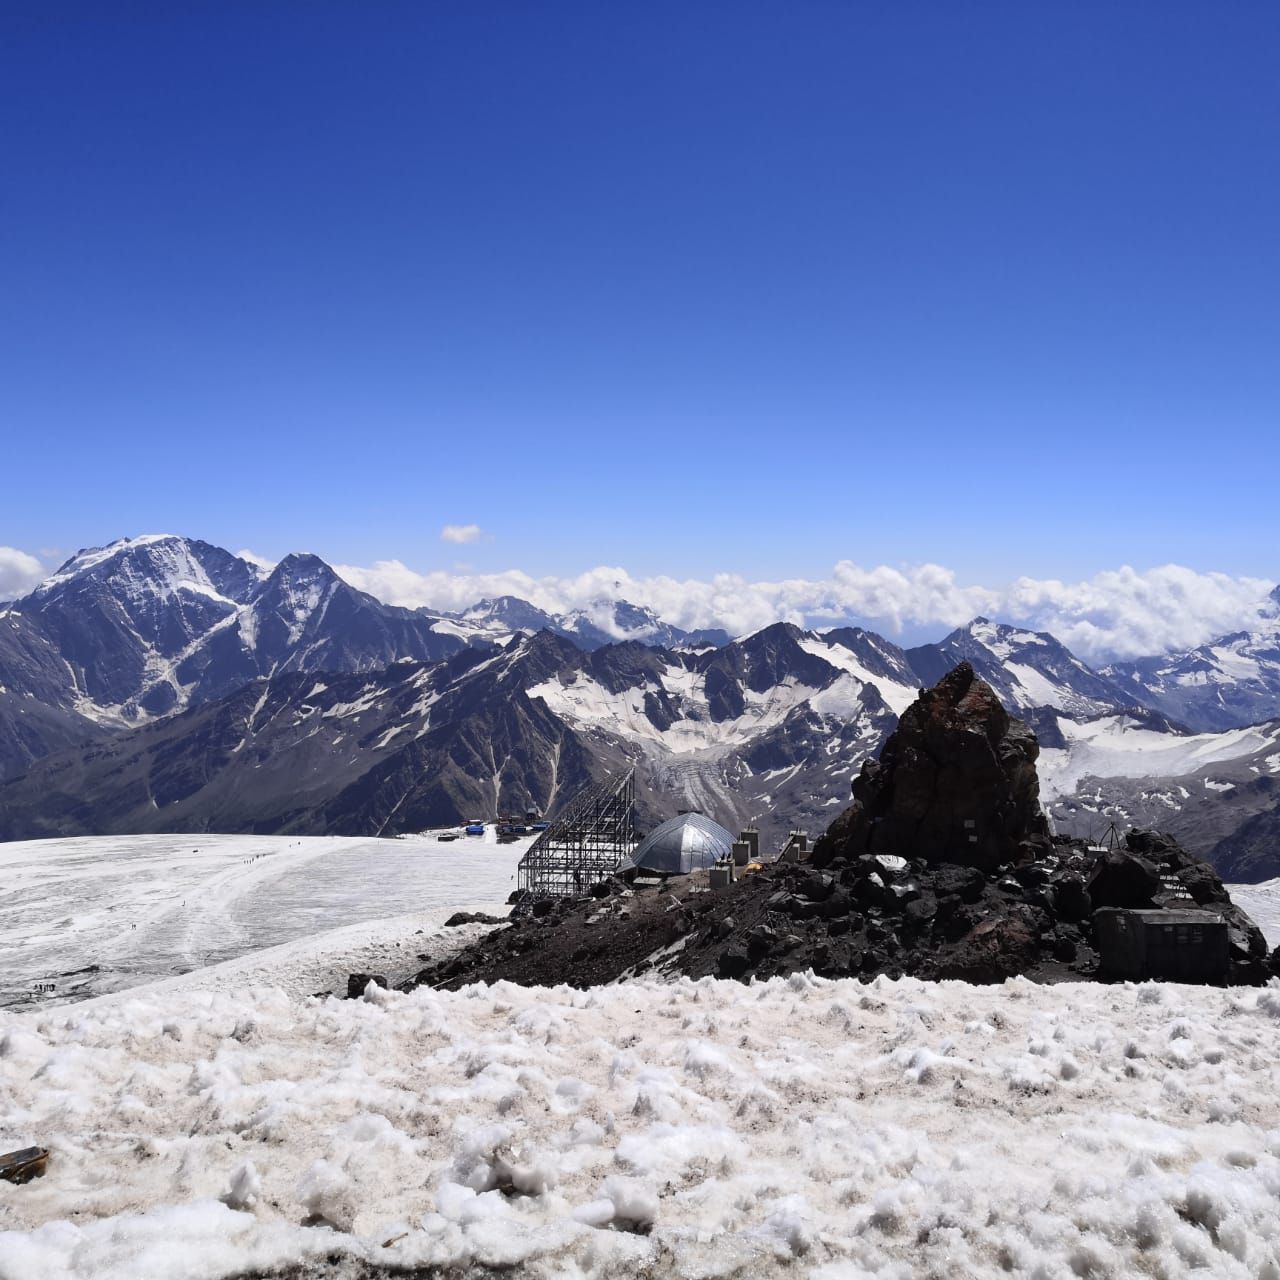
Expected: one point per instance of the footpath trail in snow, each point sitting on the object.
(801, 1127)
(142, 907)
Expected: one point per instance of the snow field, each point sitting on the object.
(1116, 747)
(146, 907)
(1262, 902)
(800, 1127)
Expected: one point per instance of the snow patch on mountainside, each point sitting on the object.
(1120, 747)
(584, 702)
(898, 695)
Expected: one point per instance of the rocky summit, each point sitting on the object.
(955, 783)
(942, 868)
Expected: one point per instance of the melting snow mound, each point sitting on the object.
(799, 1127)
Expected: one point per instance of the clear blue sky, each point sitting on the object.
(680, 286)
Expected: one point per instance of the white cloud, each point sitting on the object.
(19, 572)
(254, 558)
(460, 533)
(1117, 613)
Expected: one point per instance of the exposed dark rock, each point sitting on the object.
(471, 917)
(956, 782)
(357, 983)
(1123, 880)
(966, 883)
(1071, 896)
(992, 951)
(733, 962)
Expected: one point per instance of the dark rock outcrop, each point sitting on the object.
(956, 782)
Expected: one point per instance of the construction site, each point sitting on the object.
(595, 837)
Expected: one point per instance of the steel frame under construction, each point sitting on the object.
(584, 844)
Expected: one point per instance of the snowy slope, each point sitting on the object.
(1136, 771)
(800, 1127)
(1119, 746)
(141, 907)
(1262, 902)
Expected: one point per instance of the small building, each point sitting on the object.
(1165, 945)
(688, 842)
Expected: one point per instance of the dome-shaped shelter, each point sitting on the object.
(686, 843)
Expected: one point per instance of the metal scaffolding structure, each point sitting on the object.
(584, 844)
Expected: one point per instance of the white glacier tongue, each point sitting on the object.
(794, 1128)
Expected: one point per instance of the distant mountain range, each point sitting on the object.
(162, 683)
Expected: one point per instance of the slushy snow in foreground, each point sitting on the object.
(799, 1127)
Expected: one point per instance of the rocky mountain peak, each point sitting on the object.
(955, 782)
(153, 565)
(300, 565)
(509, 611)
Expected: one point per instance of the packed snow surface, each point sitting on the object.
(800, 1127)
(142, 907)
(1262, 902)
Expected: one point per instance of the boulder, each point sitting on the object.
(997, 948)
(472, 917)
(1202, 882)
(733, 962)
(357, 983)
(1070, 896)
(761, 941)
(967, 883)
(1123, 880)
(955, 783)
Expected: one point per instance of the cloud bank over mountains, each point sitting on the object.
(1117, 613)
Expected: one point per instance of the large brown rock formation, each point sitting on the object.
(956, 782)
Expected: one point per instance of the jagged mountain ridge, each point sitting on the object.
(770, 726)
(421, 744)
(148, 626)
(1027, 669)
(602, 622)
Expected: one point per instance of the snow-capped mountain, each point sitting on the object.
(403, 747)
(774, 724)
(614, 621)
(120, 615)
(141, 674)
(599, 623)
(304, 617)
(148, 626)
(1231, 681)
(1028, 669)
